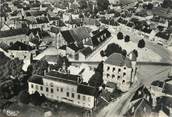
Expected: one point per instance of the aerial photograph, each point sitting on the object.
(85, 58)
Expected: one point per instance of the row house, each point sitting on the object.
(21, 50)
(13, 35)
(65, 88)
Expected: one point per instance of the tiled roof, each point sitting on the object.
(54, 30)
(76, 34)
(163, 35)
(118, 60)
(162, 12)
(73, 47)
(20, 46)
(13, 32)
(68, 78)
(36, 79)
(42, 20)
(86, 51)
(88, 90)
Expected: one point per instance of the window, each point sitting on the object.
(118, 77)
(84, 98)
(124, 74)
(79, 97)
(113, 69)
(108, 68)
(67, 94)
(123, 81)
(119, 70)
(41, 88)
(31, 85)
(113, 76)
(46, 89)
(52, 90)
(89, 99)
(51, 84)
(36, 86)
(57, 89)
(61, 89)
(124, 67)
(108, 75)
(73, 95)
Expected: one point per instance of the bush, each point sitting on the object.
(102, 53)
(113, 48)
(120, 35)
(24, 97)
(127, 38)
(141, 43)
(36, 99)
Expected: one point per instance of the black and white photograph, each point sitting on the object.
(85, 58)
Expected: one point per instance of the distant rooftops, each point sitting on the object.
(118, 60)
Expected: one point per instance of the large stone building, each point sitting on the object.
(64, 88)
(119, 70)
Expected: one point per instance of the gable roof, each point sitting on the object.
(67, 78)
(118, 60)
(42, 20)
(73, 47)
(20, 46)
(86, 51)
(88, 90)
(76, 34)
(13, 32)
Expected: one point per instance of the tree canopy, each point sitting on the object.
(120, 35)
(141, 43)
(113, 48)
(102, 4)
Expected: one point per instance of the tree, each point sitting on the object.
(36, 99)
(102, 53)
(135, 52)
(141, 43)
(24, 97)
(83, 4)
(120, 35)
(102, 4)
(113, 48)
(127, 38)
(150, 6)
(124, 52)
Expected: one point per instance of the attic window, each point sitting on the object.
(108, 68)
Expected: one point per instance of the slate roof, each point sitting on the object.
(36, 79)
(164, 35)
(54, 30)
(118, 60)
(20, 46)
(167, 89)
(88, 90)
(86, 51)
(76, 34)
(67, 78)
(13, 32)
(42, 20)
(73, 47)
(162, 12)
(98, 34)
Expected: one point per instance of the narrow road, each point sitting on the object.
(119, 107)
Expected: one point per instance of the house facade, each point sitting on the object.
(64, 88)
(119, 70)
